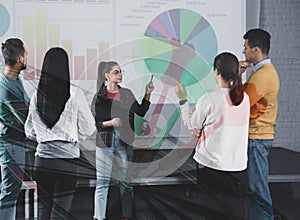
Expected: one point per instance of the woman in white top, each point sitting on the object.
(58, 117)
(220, 121)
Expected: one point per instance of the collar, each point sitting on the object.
(260, 64)
(9, 76)
(103, 90)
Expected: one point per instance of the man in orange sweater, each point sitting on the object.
(262, 87)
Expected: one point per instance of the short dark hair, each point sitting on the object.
(260, 38)
(12, 49)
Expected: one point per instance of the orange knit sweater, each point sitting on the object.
(262, 88)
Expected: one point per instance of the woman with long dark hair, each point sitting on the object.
(59, 116)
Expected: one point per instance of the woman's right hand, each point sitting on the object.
(180, 91)
(116, 122)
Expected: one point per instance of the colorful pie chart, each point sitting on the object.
(179, 45)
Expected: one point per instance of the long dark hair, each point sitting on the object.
(228, 66)
(54, 86)
(104, 67)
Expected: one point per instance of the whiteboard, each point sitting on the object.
(170, 39)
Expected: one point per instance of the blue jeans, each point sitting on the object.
(112, 164)
(12, 172)
(259, 205)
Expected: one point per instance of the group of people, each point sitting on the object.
(57, 117)
(234, 125)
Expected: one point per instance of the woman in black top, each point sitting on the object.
(115, 108)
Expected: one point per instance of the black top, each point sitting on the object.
(107, 109)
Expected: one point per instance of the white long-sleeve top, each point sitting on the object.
(224, 136)
(76, 122)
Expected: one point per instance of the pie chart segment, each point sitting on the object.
(160, 48)
(166, 20)
(158, 64)
(194, 71)
(188, 21)
(160, 28)
(201, 25)
(175, 20)
(205, 44)
(156, 34)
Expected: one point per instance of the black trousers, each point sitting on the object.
(227, 191)
(56, 183)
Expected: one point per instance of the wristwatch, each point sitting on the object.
(181, 102)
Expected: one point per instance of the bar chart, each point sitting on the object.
(84, 31)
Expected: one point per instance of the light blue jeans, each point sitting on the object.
(259, 206)
(112, 164)
(12, 172)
